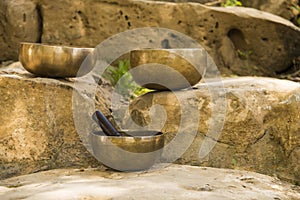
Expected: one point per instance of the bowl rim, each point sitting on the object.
(54, 46)
(171, 49)
(159, 134)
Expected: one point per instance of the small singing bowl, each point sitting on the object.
(138, 150)
(55, 61)
(167, 69)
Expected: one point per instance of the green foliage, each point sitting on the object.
(114, 74)
(297, 8)
(234, 162)
(232, 3)
(244, 54)
(120, 77)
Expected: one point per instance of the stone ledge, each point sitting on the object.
(260, 132)
(37, 129)
(172, 182)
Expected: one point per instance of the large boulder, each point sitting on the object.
(37, 129)
(20, 21)
(260, 130)
(173, 182)
(242, 41)
(260, 133)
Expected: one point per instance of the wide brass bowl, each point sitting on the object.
(54, 61)
(162, 69)
(137, 152)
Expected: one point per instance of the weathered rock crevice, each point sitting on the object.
(238, 39)
(40, 22)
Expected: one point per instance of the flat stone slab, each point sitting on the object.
(172, 182)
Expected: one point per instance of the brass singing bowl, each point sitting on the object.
(137, 152)
(54, 61)
(167, 68)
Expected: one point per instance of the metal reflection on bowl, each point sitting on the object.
(172, 69)
(139, 150)
(55, 61)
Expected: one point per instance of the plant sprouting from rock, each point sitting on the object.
(120, 75)
(296, 11)
(232, 3)
(244, 54)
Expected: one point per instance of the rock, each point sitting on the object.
(173, 182)
(244, 40)
(37, 127)
(261, 123)
(19, 22)
(283, 8)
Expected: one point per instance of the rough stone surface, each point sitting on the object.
(36, 123)
(19, 22)
(173, 182)
(243, 41)
(283, 8)
(261, 129)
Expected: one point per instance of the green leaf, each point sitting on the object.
(234, 162)
(232, 3)
(127, 87)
